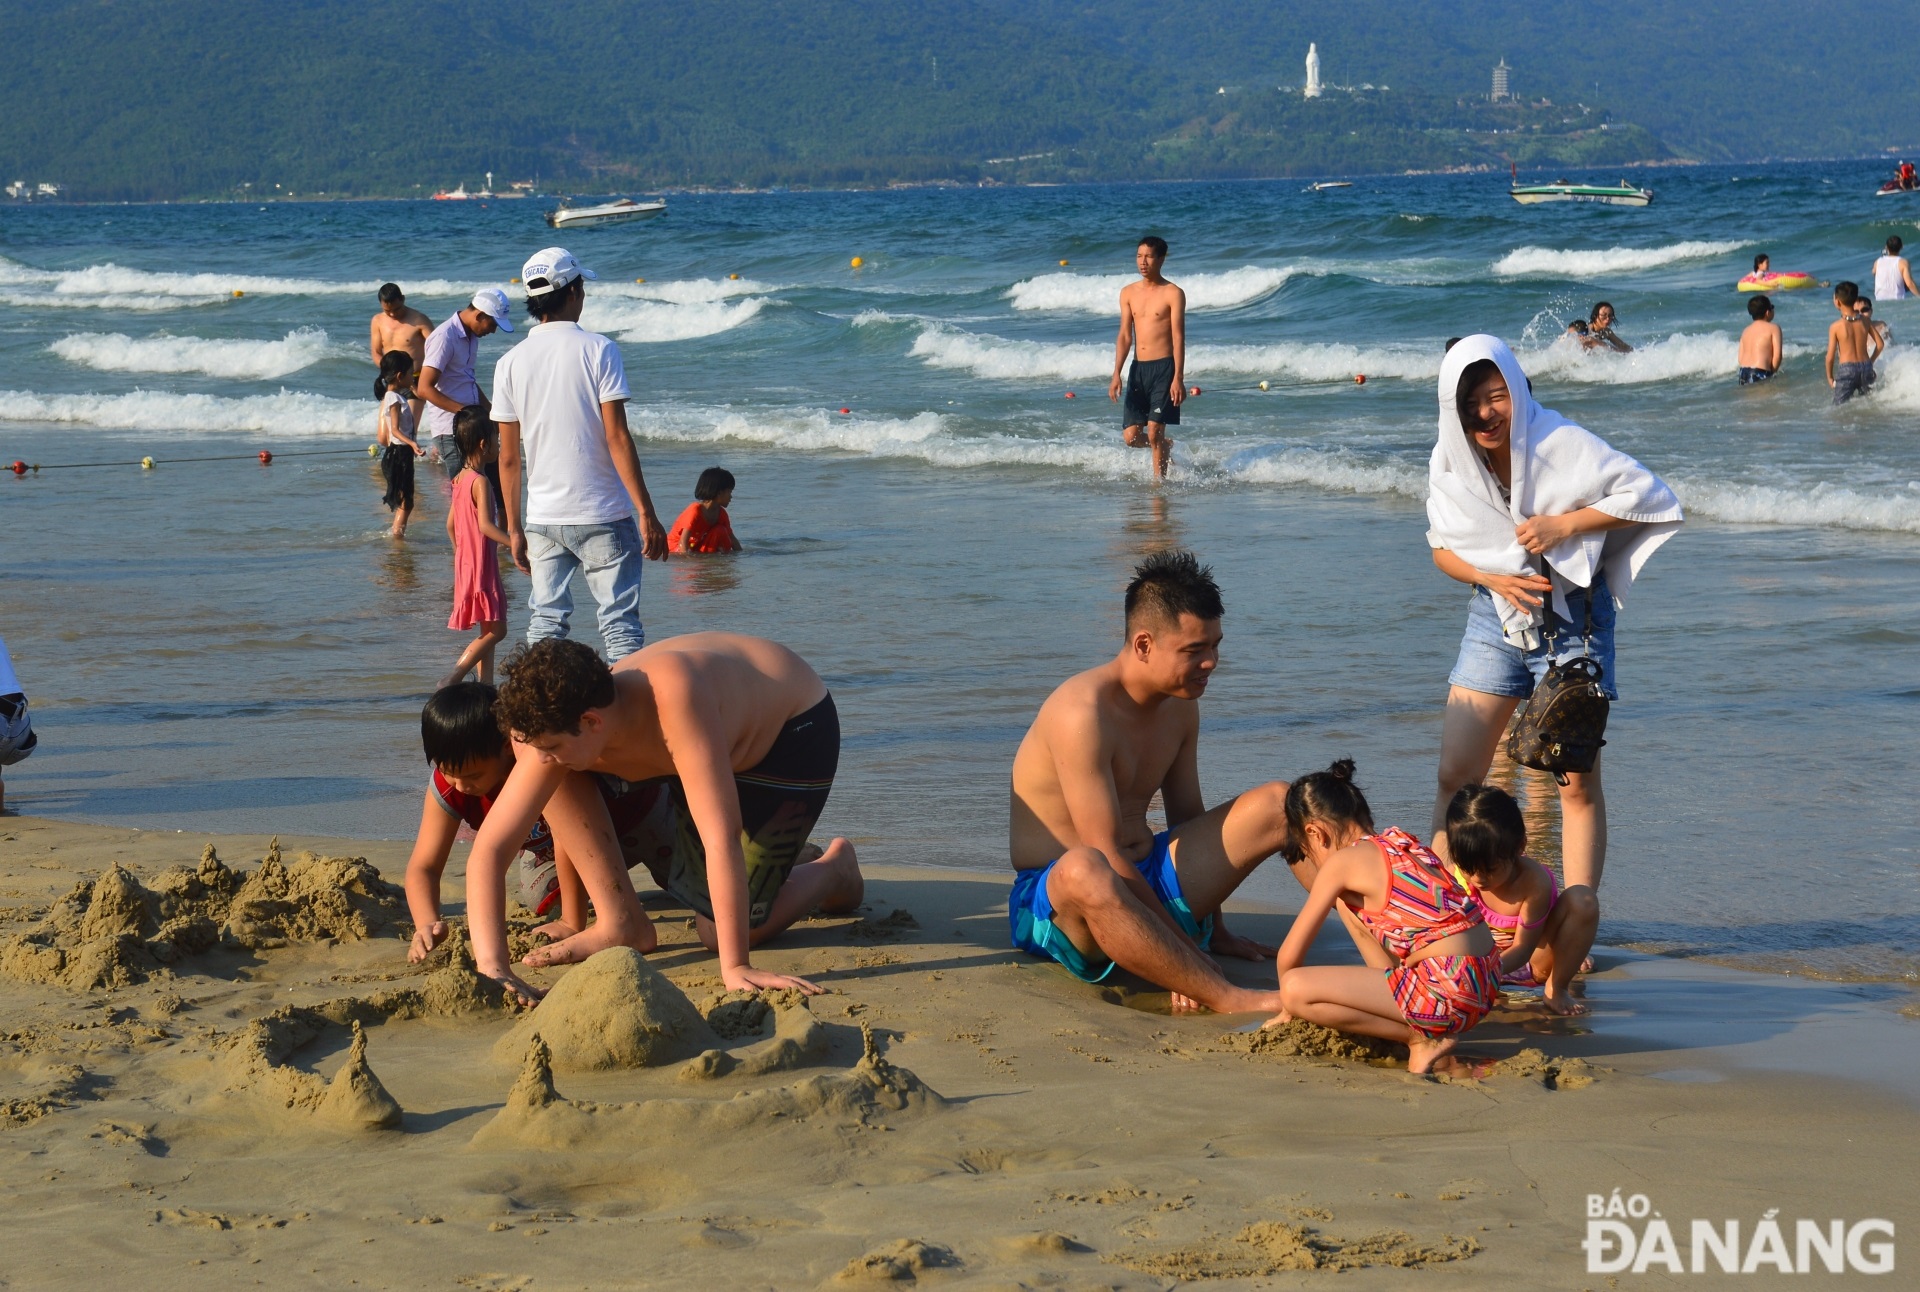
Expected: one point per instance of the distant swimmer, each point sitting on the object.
(1760, 347)
(1596, 330)
(1892, 276)
(1153, 325)
(398, 326)
(1852, 347)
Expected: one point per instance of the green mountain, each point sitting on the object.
(182, 98)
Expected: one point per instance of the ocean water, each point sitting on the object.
(221, 645)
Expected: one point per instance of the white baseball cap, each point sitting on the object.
(550, 270)
(492, 302)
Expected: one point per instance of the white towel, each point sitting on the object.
(1558, 467)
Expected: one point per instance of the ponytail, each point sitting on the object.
(1329, 797)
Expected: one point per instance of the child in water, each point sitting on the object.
(704, 526)
(1760, 344)
(394, 389)
(1431, 972)
(477, 595)
(1541, 934)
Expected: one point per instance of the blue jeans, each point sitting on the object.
(611, 557)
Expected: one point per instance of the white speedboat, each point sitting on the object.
(578, 217)
(1621, 194)
(1326, 184)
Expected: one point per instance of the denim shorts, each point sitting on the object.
(1492, 665)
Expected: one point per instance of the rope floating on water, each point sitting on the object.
(264, 457)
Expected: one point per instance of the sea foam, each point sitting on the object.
(288, 412)
(661, 320)
(1549, 262)
(235, 359)
(1100, 293)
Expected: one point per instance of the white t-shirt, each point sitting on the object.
(553, 384)
(395, 398)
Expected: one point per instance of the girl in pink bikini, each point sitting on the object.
(1431, 972)
(478, 599)
(1542, 934)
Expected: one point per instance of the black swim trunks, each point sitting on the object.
(781, 797)
(1148, 397)
(1754, 376)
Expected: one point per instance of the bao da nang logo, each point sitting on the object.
(1626, 1235)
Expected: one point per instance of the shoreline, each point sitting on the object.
(1041, 1134)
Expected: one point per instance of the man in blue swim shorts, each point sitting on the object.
(1094, 885)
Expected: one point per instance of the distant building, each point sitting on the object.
(1313, 70)
(1501, 91)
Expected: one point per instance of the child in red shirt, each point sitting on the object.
(703, 527)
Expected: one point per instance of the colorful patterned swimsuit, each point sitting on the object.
(1442, 995)
(1505, 928)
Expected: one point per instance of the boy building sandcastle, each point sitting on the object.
(471, 761)
(704, 528)
(1760, 344)
(1852, 347)
(747, 738)
(1153, 326)
(1094, 885)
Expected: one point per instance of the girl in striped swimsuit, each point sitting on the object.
(1542, 934)
(1431, 972)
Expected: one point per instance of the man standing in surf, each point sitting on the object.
(1153, 326)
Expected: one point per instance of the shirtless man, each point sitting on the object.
(398, 327)
(1153, 325)
(1094, 886)
(1852, 347)
(747, 740)
(1760, 346)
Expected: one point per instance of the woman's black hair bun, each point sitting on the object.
(1342, 769)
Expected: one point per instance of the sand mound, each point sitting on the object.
(353, 1100)
(613, 1010)
(1300, 1039)
(907, 1259)
(114, 931)
(798, 1040)
(1555, 1074)
(886, 928)
(64, 1084)
(1271, 1247)
(536, 1115)
(740, 1014)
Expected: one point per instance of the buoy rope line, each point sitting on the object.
(263, 456)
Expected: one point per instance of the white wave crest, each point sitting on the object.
(1824, 506)
(1680, 356)
(1898, 386)
(288, 412)
(997, 358)
(650, 321)
(1338, 470)
(684, 291)
(111, 286)
(1100, 293)
(1549, 262)
(236, 359)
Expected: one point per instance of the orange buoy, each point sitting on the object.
(1359, 378)
(845, 412)
(265, 457)
(1069, 394)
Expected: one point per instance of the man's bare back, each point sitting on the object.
(1091, 722)
(407, 330)
(1760, 346)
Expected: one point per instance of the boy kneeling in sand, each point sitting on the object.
(471, 761)
(747, 740)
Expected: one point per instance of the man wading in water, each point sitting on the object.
(1153, 325)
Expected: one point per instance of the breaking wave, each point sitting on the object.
(235, 359)
(1548, 262)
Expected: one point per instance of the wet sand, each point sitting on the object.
(258, 1088)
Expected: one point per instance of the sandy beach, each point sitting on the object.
(226, 1074)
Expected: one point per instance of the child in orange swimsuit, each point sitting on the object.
(1432, 971)
(1542, 934)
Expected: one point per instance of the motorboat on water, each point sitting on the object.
(458, 194)
(578, 217)
(1325, 184)
(1621, 194)
(1893, 188)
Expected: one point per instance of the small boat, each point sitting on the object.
(1325, 184)
(1621, 194)
(576, 217)
(459, 194)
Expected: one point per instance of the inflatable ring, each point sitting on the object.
(1776, 282)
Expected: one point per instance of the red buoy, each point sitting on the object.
(1359, 378)
(1069, 394)
(846, 412)
(265, 457)
(1193, 390)
(19, 468)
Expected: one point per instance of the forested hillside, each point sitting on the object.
(177, 98)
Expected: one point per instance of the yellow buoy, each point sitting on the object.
(733, 277)
(1263, 385)
(513, 280)
(1063, 264)
(639, 280)
(237, 294)
(857, 262)
(146, 464)
(373, 450)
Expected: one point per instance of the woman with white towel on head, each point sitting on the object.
(1549, 525)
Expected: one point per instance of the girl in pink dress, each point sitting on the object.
(477, 595)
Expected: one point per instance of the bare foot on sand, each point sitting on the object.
(1278, 1020)
(1424, 1052)
(556, 932)
(598, 936)
(518, 990)
(1565, 1006)
(1184, 1004)
(850, 887)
